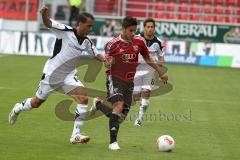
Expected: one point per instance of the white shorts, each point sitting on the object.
(49, 85)
(143, 80)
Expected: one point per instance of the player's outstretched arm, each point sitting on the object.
(101, 57)
(160, 61)
(46, 20)
(160, 70)
(104, 58)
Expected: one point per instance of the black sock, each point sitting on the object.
(104, 109)
(113, 127)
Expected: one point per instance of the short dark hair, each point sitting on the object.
(129, 21)
(82, 17)
(148, 20)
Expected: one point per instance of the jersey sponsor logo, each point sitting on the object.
(127, 57)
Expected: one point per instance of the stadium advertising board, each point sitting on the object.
(197, 32)
(181, 59)
(236, 62)
(30, 43)
(15, 9)
(179, 52)
(213, 33)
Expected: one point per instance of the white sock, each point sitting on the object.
(143, 107)
(80, 114)
(25, 106)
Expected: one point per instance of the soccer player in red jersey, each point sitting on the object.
(124, 51)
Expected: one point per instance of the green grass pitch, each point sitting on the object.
(201, 113)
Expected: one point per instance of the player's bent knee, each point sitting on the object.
(80, 99)
(146, 93)
(118, 106)
(84, 99)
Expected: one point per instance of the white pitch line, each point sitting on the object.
(203, 101)
(6, 88)
(3, 55)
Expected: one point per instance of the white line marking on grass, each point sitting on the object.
(6, 88)
(203, 101)
(3, 55)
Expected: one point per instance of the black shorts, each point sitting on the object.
(119, 90)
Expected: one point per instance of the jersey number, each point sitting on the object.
(152, 82)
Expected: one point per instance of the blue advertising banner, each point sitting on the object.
(182, 59)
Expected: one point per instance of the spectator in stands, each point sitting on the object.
(60, 15)
(207, 48)
(75, 7)
(236, 32)
(23, 35)
(193, 49)
(233, 36)
(176, 49)
(38, 37)
(107, 29)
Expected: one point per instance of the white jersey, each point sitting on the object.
(67, 51)
(155, 48)
(144, 77)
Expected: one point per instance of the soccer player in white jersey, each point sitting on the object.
(144, 77)
(59, 73)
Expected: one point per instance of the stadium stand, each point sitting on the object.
(210, 11)
(105, 7)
